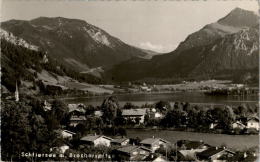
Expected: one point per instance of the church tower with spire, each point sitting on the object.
(16, 93)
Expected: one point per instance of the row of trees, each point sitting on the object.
(27, 128)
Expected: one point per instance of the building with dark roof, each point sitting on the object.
(133, 114)
(214, 153)
(120, 141)
(154, 143)
(95, 140)
(191, 145)
(130, 153)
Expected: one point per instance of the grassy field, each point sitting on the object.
(236, 142)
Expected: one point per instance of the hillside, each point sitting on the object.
(36, 73)
(74, 43)
(226, 49)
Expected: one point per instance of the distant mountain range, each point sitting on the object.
(226, 49)
(73, 42)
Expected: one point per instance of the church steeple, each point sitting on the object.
(16, 92)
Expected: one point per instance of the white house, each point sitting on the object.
(120, 141)
(96, 140)
(238, 124)
(67, 134)
(60, 150)
(253, 123)
(154, 143)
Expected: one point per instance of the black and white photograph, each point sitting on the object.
(129, 80)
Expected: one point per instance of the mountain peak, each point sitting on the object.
(239, 17)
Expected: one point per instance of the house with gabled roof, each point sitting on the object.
(96, 140)
(133, 114)
(188, 149)
(65, 134)
(75, 120)
(156, 158)
(130, 153)
(238, 125)
(154, 143)
(252, 123)
(120, 141)
(214, 153)
(191, 145)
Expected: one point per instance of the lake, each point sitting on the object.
(239, 142)
(192, 97)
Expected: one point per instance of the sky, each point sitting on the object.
(158, 25)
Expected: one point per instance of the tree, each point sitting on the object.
(129, 105)
(163, 106)
(110, 107)
(15, 130)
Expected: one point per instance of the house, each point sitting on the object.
(120, 141)
(154, 143)
(133, 114)
(253, 123)
(188, 149)
(67, 134)
(192, 145)
(98, 113)
(145, 88)
(214, 153)
(60, 150)
(130, 153)
(238, 125)
(96, 140)
(76, 108)
(75, 120)
(156, 158)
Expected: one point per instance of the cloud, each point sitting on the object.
(157, 47)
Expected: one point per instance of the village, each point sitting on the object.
(85, 132)
(122, 148)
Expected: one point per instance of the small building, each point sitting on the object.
(75, 120)
(130, 153)
(76, 108)
(120, 141)
(215, 153)
(156, 158)
(59, 150)
(253, 122)
(96, 140)
(66, 134)
(98, 113)
(154, 143)
(133, 114)
(192, 145)
(238, 125)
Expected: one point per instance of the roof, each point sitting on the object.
(191, 144)
(98, 113)
(133, 112)
(212, 151)
(119, 140)
(152, 140)
(153, 157)
(67, 131)
(76, 107)
(129, 149)
(239, 123)
(78, 118)
(253, 118)
(92, 138)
